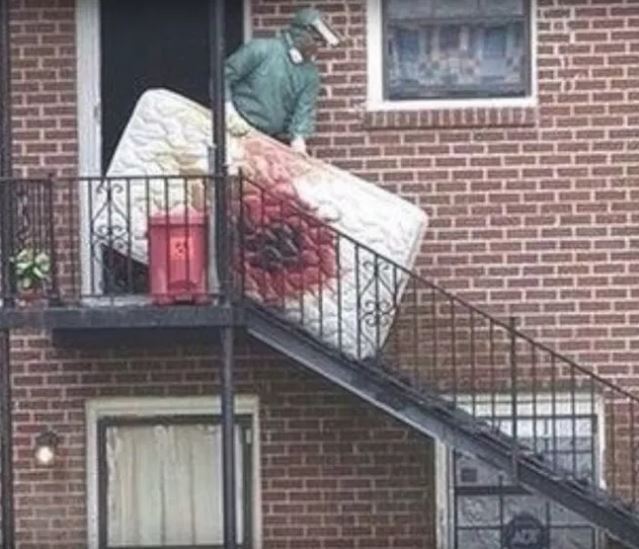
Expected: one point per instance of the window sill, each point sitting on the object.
(380, 118)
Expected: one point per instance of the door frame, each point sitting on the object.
(149, 407)
(89, 111)
(89, 82)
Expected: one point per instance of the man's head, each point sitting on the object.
(309, 32)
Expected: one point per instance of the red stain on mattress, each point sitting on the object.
(287, 250)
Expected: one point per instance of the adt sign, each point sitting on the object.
(524, 531)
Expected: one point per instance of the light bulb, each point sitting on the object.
(46, 446)
(44, 455)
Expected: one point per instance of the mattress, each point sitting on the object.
(333, 228)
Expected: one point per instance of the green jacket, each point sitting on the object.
(271, 92)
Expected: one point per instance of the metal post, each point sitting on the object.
(223, 260)
(6, 240)
(54, 296)
(228, 427)
(7, 282)
(218, 48)
(6, 445)
(513, 397)
(6, 251)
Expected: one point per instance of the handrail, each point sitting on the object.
(475, 309)
(441, 342)
(346, 295)
(99, 247)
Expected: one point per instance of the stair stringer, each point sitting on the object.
(435, 417)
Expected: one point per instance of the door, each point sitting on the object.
(126, 47)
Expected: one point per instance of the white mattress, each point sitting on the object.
(169, 134)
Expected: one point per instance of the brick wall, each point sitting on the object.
(539, 220)
(44, 84)
(334, 472)
(534, 212)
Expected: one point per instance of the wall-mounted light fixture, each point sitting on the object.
(45, 449)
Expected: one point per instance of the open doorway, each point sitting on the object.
(155, 44)
(126, 47)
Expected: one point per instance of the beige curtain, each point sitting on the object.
(165, 485)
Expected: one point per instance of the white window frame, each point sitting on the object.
(375, 72)
(148, 407)
(444, 464)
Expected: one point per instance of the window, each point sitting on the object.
(158, 477)
(486, 503)
(450, 49)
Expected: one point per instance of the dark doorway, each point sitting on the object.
(155, 43)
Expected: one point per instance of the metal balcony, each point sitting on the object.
(115, 252)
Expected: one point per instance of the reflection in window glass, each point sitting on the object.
(456, 49)
(456, 8)
(485, 500)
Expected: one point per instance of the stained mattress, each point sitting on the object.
(341, 291)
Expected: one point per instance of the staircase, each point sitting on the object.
(434, 361)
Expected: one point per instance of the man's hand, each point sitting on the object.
(298, 144)
(236, 125)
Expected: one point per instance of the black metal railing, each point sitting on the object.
(115, 239)
(152, 239)
(380, 314)
(27, 249)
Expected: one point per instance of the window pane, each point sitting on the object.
(470, 472)
(487, 501)
(562, 516)
(532, 505)
(454, 8)
(479, 539)
(502, 7)
(478, 511)
(572, 538)
(165, 485)
(409, 9)
(462, 50)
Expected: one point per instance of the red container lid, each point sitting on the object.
(185, 217)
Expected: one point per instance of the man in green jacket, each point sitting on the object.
(273, 84)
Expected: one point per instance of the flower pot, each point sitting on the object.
(34, 298)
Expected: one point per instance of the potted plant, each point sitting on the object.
(32, 272)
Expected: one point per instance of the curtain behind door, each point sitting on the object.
(165, 485)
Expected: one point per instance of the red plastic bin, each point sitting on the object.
(177, 257)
